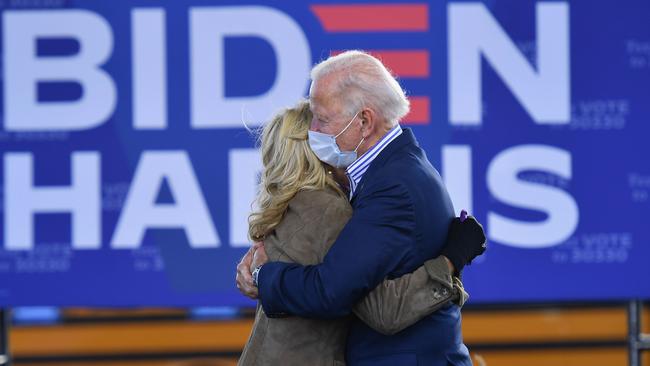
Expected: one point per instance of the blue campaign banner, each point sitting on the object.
(128, 170)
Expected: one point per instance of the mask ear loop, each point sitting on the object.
(348, 125)
(360, 142)
(362, 138)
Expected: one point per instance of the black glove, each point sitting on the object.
(465, 241)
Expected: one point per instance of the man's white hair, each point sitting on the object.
(362, 80)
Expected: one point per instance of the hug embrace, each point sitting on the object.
(357, 254)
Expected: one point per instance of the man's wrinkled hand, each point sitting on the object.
(244, 278)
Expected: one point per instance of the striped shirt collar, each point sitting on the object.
(358, 168)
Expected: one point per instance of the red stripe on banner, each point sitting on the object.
(405, 64)
(420, 113)
(373, 17)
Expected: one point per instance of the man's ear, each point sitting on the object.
(369, 122)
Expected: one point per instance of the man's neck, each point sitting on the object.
(339, 176)
(372, 140)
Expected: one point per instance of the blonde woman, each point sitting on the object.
(301, 211)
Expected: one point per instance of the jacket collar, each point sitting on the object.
(405, 139)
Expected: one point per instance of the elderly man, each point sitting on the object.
(401, 216)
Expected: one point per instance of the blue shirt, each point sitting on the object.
(358, 168)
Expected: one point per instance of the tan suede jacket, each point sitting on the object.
(310, 226)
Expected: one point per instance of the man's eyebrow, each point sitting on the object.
(318, 115)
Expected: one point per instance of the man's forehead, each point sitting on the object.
(321, 100)
(324, 107)
(318, 101)
(315, 90)
(322, 85)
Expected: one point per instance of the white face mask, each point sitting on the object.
(327, 150)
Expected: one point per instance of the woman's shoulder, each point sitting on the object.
(320, 199)
(317, 206)
(308, 228)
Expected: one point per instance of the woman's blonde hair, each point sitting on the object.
(289, 167)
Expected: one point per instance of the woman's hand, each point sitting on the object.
(244, 279)
(259, 257)
(465, 241)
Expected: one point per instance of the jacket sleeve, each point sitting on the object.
(397, 304)
(376, 240)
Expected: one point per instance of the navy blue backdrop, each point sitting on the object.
(128, 171)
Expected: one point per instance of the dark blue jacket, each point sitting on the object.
(401, 215)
